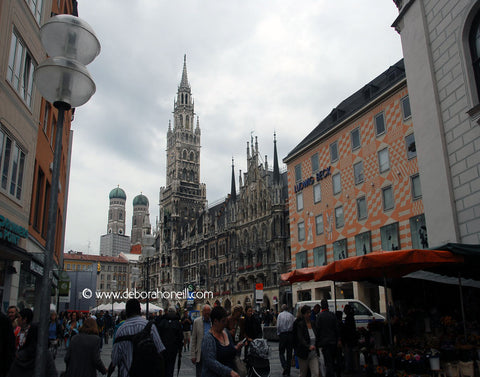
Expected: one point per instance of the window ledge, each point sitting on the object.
(474, 113)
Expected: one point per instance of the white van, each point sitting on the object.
(363, 314)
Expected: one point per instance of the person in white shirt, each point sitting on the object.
(284, 330)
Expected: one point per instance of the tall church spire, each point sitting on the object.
(276, 169)
(184, 83)
(233, 190)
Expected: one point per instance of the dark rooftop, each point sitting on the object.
(355, 102)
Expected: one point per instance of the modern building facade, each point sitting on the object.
(441, 47)
(102, 275)
(354, 186)
(27, 132)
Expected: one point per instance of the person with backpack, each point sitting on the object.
(170, 331)
(137, 348)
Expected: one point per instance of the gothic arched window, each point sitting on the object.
(474, 40)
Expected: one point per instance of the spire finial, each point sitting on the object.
(276, 169)
(184, 83)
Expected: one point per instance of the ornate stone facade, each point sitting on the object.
(227, 247)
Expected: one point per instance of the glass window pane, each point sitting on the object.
(340, 249)
(418, 231)
(317, 193)
(339, 220)
(13, 178)
(11, 58)
(315, 162)
(6, 162)
(334, 151)
(362, 208)
(301, 259)
(300, 201)
(319, 224)
(355, 138)
(363, 243)
(383, 160)
(389, 236)
(379, 124)
(358, 172)
(416, 187)
(388, 202)
(411, 148)
(337, 185)
(298, 172)
(320, 256)
(407, 112)
(301, 231)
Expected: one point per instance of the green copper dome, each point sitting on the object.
(117, 193)
(140, 200)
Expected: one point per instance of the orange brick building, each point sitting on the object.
(354, 185)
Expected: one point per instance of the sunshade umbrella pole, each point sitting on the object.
(461, 305)
(335, 296)
(388, 320)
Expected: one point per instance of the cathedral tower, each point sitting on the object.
(184, 196)
(116, 212)
(140, 219)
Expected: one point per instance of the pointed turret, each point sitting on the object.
(233, 191)
(276, 169)
(184, 83)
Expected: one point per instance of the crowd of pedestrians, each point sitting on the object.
(316, 340)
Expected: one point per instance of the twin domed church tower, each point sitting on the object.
(116, 241)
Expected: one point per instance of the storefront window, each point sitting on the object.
(390, 239)
(340, 249)
(418, 231)
(26, 290)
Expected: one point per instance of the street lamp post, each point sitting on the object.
(64, 81)
(147, 253)
(114, 288)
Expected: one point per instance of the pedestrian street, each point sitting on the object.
(186, 369)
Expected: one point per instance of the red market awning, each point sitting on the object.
(300, 274)
(384, 264)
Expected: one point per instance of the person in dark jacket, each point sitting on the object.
(83, 354)
(253, 328)
(327, 337)
(349, 339)
(305, 343)
(24, 363)
(7, 344)
(170, 331)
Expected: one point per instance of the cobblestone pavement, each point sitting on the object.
(187, 368)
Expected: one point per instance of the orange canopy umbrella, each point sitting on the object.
(300, 274)
(386, 264)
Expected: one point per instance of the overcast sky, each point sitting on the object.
(255, 67)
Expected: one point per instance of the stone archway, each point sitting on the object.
(217, 303)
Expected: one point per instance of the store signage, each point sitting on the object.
(259, 293)
(310, 181)
(11, 232)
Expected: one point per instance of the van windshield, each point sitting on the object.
(360, 309)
